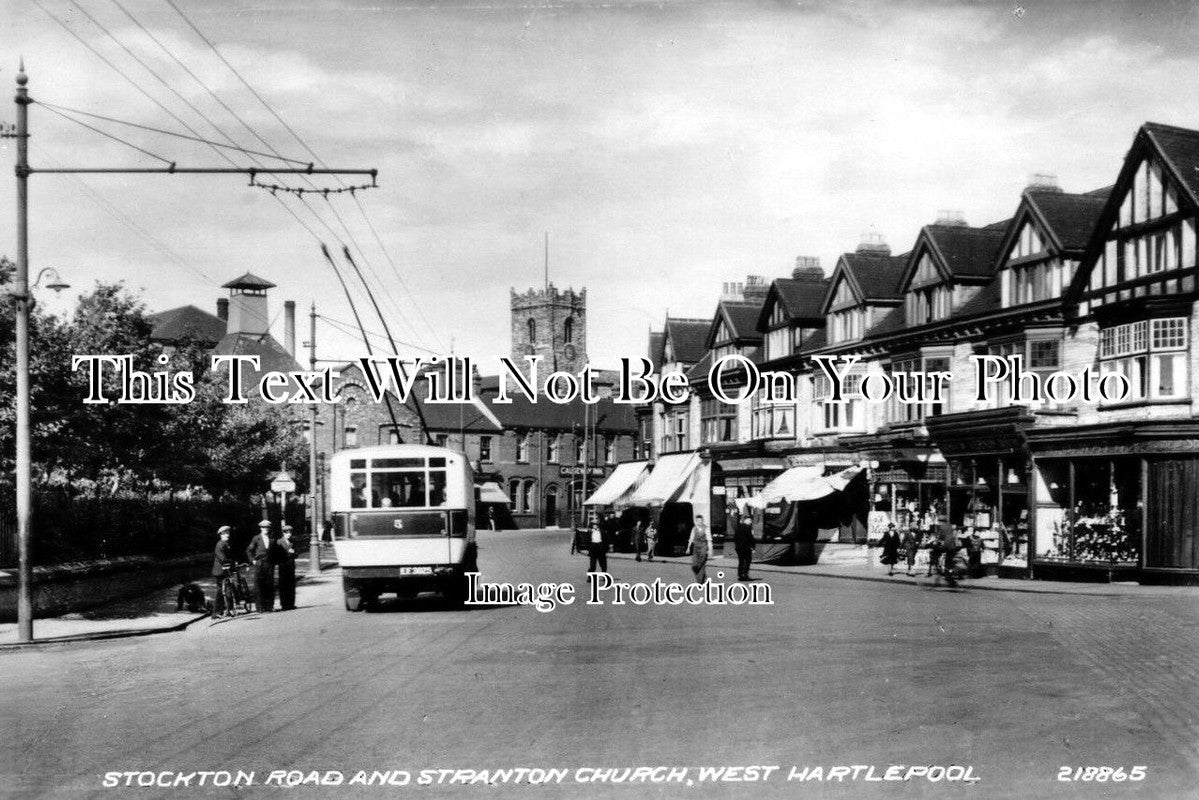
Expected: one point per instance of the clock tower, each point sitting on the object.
(552, 324)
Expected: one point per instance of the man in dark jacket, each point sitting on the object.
(222, 559)
(259, 554)
(743, 543)
(285, 557)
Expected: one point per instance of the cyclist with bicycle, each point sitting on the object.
(222, 563)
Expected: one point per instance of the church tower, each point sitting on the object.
(551, 324)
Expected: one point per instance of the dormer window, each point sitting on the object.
(928, 300)
(778, 337)
(1032, 273)
(929, 304)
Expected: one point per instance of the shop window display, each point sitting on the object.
(1103, 526)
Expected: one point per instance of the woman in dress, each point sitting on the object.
(701, 546)
(890, 549)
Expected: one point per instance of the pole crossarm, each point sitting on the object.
(175, 170)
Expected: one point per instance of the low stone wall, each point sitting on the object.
(66, 588)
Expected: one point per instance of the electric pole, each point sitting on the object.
(314, 540)
(23, 300)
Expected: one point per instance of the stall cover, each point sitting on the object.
(672, 476)
(801, 508)
(491, 492)
(618, 490)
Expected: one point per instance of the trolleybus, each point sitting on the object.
(403, 521)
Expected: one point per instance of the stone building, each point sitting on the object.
(551, 324)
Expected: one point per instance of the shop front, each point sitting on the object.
(988, 490)
(1117, 501)
(676, 490)
(737, 477)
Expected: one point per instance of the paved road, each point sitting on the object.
(834, 673)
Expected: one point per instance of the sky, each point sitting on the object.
(664, 147)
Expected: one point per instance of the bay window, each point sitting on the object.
(718, 421)
(1151, 354)
(772, 420)
(846, 415)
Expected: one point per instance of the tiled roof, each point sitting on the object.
(272, 356)
(986, 301)
(1070, 217)
(1180, 146)
(248, 281)
(801, 298)
(520, 413)
(742, 317)
(817, 340)
(892, 321)
(878, 274)
(688, 337)
(186, 322)
(700, 370)
(471, 417)
(656, 340)
(968, 252)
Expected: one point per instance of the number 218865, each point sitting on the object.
(1101, 774)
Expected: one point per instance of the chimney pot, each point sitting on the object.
(807, 267)
(874, 243)
(951, 216)
(1043, 182)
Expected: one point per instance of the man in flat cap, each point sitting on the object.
(222, 559)
(285, 557)
(259, 554)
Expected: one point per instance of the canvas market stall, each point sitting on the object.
(615, 494)
(677, 490)
(802, 509)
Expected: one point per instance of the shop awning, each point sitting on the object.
(802, 484)
(673, 477)
(620, 485)
(491, 492)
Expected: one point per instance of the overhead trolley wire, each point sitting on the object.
(312, 153)
(62, 111)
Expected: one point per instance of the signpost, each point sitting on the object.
(281, 485)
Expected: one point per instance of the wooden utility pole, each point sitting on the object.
(22, 300)
(314, 538)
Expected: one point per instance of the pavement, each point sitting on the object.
(876, 572)
(142, 615)
(155, 612)
(1019, 687)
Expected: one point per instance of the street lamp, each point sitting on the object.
(22, 296)
(56, 282)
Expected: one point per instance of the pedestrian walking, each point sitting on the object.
(259, 554)
(974, 550)
(639, 539)
(491, 517)
(700, 543)
(890, 545)
(597, 549)
(934, 552)
(222, 562)
(743, 543)
(911, 545)
(285, 558)
(949, 548)
(651, 541)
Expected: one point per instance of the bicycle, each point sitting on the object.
(235, 591)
